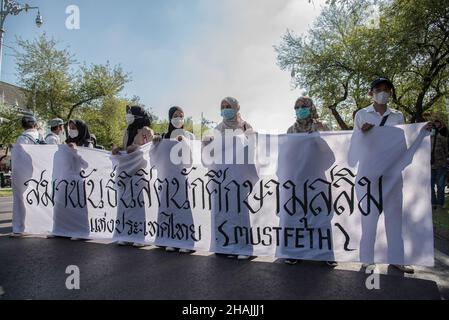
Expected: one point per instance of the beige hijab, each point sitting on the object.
(308, 125)
(237, 122)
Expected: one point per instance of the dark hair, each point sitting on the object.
(386, 81)
(143, 119)
(83, 139)
(54, 128)
(171, 128)
(28, 122)
(378, 81)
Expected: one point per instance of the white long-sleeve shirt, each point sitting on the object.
(371, 116)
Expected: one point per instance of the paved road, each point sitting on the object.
(34, 268)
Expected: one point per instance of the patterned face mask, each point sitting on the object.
(303, 113)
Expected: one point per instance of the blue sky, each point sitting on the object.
(190, 53)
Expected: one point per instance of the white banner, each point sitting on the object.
(320, 196)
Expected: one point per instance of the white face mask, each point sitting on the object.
(73, 133)
(381, 97)
(129, 118)
(177, 122)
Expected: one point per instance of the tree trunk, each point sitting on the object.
(340, 121)
(418, 117)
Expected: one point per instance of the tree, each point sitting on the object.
(57, 86)
(330, 62)
(421, 30)
(10, 127)
(342, 54)
(106, 121)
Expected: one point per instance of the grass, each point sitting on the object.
(5, 192)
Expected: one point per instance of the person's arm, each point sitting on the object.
(357, 124)
(248, 128)
(191, 136)
(321, 126)
(116, 149)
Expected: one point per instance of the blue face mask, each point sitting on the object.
(228, 114)
(303, 113)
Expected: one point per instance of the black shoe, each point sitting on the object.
(332, 264)
(291, 261)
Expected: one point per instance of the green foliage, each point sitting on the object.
(10, 127)
(106, 121)
(57, 85)
(342, 53)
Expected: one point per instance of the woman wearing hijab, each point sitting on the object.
(306, 117)
(230, 111)
(136, 134)
(306, 122)
(79, 134)
(138, 131)
(176, 125)
(232, 120)
(176, 131)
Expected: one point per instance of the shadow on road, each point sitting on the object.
(35, 269)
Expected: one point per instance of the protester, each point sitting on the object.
(136, 135)
(439, 154)
(79, 134)
(56, 130)
(176, 125)
(30, 134)
(379, 114)
(232, 120)
(175, 131)
(306, 117)
(307, 121)
(138, 132)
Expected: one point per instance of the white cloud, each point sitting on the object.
(235, 57)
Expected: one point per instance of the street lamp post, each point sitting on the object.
(8, 7)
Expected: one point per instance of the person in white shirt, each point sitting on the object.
(379, 114)
(30, 135)
(56, 127)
